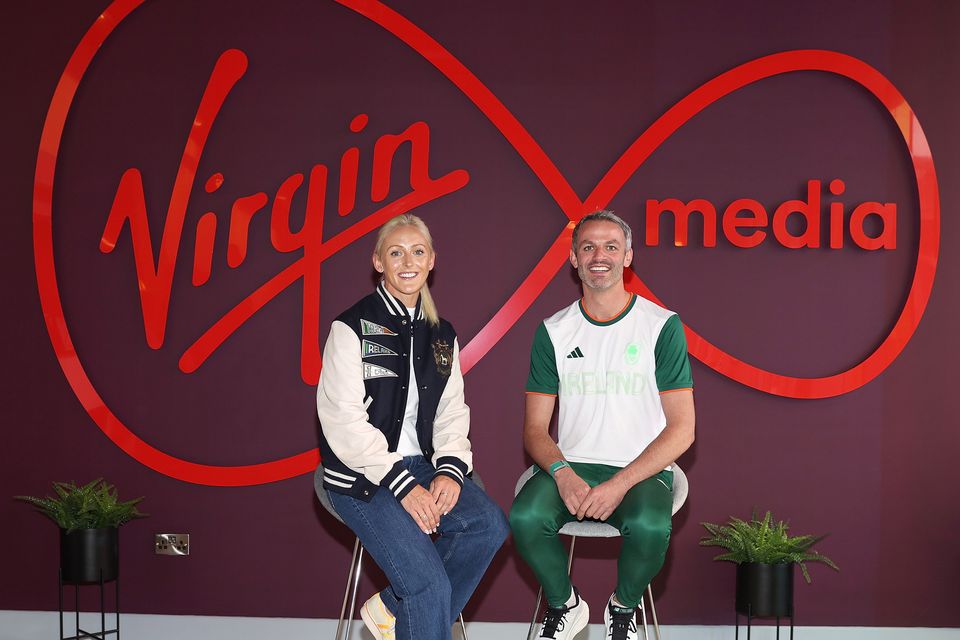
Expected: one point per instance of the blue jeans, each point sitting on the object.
(430, 581)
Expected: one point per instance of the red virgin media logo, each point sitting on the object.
(742, 223)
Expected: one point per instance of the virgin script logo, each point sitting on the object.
(155, 271)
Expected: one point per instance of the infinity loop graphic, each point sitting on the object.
(549, 264)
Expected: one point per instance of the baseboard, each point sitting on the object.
(44, 625)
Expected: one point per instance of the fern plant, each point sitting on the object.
(90, 506)
(763, 541)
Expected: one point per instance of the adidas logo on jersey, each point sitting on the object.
(576, 353)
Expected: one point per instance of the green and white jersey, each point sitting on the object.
(609, 376)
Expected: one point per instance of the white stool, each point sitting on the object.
(353, 577)
(591, 529)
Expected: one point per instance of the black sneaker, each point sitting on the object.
(563, 623)
(620, 623)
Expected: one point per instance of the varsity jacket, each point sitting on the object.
(362, 397)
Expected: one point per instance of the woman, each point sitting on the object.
(394, 445)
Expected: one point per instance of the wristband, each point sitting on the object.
(556, 466)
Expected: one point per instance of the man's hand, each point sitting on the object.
(572, 488)
(603, 499)
(445, 492)
(421, 506)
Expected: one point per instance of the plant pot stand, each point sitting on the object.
(90, 557)
(750, 618)
(764, 591)
(80, 633)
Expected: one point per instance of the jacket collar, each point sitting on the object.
(395, 307)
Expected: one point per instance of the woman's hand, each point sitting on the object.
(422, 507)
(445, 492)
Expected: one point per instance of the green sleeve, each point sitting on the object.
(543, 364)
(670, 355)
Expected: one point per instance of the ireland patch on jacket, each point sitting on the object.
(370, 349)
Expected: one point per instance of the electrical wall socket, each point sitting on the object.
(172, 544)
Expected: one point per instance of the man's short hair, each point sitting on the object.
(603, 215)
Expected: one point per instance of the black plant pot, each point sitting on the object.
(765, 590)
(84, 553)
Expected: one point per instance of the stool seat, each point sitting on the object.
(590, 529)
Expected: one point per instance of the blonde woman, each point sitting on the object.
(394, 444)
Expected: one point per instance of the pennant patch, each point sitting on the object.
(370, 349)
(371, 371)
(373, 329)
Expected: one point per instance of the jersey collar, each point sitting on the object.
(605, 323)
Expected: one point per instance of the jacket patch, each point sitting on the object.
(443, 356)
(371, 371)
(370, 349)
(373, 329)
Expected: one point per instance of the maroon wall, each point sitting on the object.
(875, 467)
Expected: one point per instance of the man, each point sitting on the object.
(619, 365)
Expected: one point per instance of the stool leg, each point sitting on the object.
(643, 618)
(536, 610)
(653, 613)
(346, 591)
(353, 596)
(463, 627)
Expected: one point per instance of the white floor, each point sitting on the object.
(43, 625)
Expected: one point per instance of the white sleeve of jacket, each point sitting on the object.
(451, 426)
(340, 396)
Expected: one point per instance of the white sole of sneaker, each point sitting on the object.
(579, 622)
(370, 624)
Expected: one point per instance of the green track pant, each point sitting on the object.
(643, 519)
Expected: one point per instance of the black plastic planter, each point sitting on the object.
(84, 553)
(765, 590)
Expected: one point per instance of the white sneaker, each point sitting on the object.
(564, 623)
(378, 618)
(619, 623)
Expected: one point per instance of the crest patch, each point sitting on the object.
(443, 356)
(370, 349)
(368, 328)
(371, 371)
